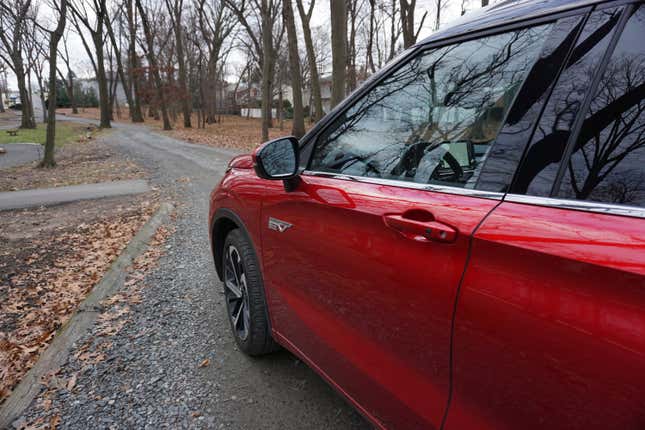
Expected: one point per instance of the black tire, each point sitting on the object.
(250, 329)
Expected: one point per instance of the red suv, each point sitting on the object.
(461, 243)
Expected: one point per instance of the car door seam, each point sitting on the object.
(454, 314)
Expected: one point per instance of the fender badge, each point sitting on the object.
(277, 225)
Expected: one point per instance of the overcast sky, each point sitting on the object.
(83, 68)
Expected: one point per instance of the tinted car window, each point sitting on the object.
(433, 119)
(608, 160)
(509, 145)
(539, 168)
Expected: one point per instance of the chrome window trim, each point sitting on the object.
(405, 184)
(579, 205)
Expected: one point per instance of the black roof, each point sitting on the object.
(504, 12)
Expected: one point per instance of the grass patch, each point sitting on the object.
(65, 132)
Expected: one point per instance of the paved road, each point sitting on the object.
(151, 377)
(53, 196)
(20, 153)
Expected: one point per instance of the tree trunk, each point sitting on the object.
(407, 22)
(70, 91)
(136, 113)
(30, 93)
(152, 60)
(119, 68)
(298, 128)
(267, 69)
(370, 39)
(186, 104)
(48, 159)
(26, 121)
(338, 49)
(311, 59)
(351, 49)
(279, 109)
(101, 79)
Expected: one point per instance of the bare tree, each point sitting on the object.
(339, 49)
(54, 39)
(116, 48)
(68, 77)
(298, 129)
(440, 5)
(3, 84)
(36, 58)
(133, 63)
(154, 65)
(175, 8)
(263, 15)
(216, 23)
(305, 18)
(13, 22)
(81, 18)
(410, 32)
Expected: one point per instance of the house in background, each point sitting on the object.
(91, 84)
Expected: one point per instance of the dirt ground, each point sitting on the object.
(50, 258)
(232, 132)
(81, 162)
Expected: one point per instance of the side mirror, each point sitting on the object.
(277, 159)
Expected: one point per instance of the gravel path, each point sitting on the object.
(150, 377)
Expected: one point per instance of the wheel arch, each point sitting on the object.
(224, 221)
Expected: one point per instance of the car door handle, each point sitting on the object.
(421, 228)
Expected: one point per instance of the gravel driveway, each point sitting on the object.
(151, 376)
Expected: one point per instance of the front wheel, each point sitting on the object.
(245, 301)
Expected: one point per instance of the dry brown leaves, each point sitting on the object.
(77, 163)
(45, 285)
(233, 132)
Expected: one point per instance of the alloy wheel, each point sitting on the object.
(236, 292)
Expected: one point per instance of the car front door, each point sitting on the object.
(550, 321)
(363, 257)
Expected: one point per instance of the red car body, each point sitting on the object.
(522, 313)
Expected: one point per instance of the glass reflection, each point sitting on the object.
(509, 145)
(279, 158)
(434, 119)
(538, 170)
(607, 163)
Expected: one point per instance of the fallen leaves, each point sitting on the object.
(233, 132)
(44, 279)
(72, 382)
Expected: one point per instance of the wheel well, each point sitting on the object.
(221, 228)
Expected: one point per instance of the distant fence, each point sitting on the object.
(256, 112)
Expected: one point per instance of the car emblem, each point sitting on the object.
(277, 225)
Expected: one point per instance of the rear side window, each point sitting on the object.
(607, 163)
(539, 168)
(432, 120)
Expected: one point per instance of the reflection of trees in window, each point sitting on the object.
(509, 144)
(539, 168)
(608, 160)
(459, 93)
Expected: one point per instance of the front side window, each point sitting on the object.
(608, 159)
(434, 119)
